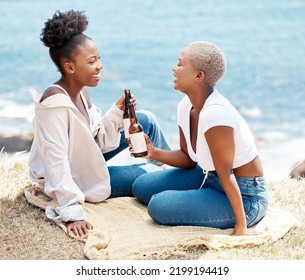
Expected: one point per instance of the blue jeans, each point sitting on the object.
(174, 197)
(123, 176)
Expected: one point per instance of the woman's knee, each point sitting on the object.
(148, 120)
(168, 207)
(145, 186)
(140, 188)
(156, 207)
(146, 116)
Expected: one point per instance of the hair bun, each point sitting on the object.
(62, 27)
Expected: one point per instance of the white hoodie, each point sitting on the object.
(66, 156)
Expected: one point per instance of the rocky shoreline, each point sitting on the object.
(21, 142)
(15, 142)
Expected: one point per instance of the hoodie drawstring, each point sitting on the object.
(205, 172)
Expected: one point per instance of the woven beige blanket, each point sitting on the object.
(124, 230)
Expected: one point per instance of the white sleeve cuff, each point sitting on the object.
(65, 214)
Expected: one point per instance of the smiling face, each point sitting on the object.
(86, 65)
(184, 72)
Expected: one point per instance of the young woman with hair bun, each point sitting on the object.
(72, 139)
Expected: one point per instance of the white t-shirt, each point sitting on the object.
(217, 111)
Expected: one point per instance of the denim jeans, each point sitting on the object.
(123, 176)
(174, 197)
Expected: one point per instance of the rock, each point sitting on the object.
(298, 171)
(13, 142)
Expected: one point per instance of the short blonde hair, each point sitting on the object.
(210, 59)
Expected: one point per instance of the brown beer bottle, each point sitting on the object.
(126, 119)
(136, 134)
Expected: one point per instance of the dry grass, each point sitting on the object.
(288, 194)
(26, 234)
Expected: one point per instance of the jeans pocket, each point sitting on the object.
(252, 211)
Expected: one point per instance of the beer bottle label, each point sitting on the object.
(138, 142)
(126, 123)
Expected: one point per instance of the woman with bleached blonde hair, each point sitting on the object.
(218, 180)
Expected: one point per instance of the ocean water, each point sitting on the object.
(140, 41)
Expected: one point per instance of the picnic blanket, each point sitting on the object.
(124, 230)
